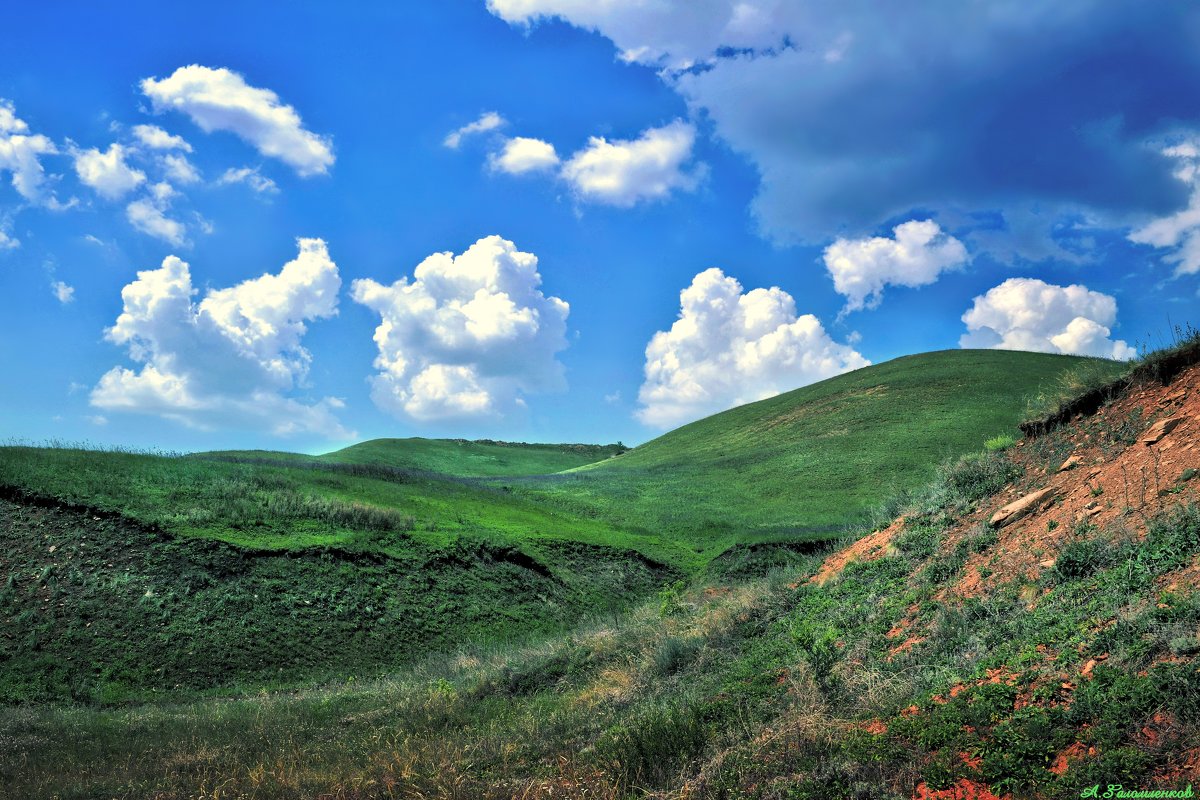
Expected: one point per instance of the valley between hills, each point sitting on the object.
(871, 587)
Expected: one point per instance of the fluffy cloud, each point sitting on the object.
(229, 359)
(179, 169)
(249, 176)
(149, 215)
(468, 336)
(62, 292)
(919, 252)
(853, 116)
(1180, 231)
(1029, 314)
(107, 172)
(618, 173)
(521, 154)
(156, 138)
(221, 100)
(488, 121)
(729, 348)
(7, 242)
(20, 154)
(622, 173)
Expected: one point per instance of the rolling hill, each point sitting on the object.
(963, 651)
(455, 457)
(286, 567)
(806, 463)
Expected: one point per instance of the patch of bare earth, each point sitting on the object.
(1122, 490)
(868, 548)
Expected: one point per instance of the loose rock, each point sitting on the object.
(1160, 429)
(1019, 508)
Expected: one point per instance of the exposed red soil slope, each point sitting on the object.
(1108, 484)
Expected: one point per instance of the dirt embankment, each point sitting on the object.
(1111, 471)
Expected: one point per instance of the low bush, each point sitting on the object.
(998, 443)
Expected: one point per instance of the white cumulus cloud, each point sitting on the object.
(156, 138)
(107, 172)
(1030, 314)
(625, 172)
(521, 154)
(231, 359)
(728, 348)
(221, 100)
(468, 336)
(149, 215)
(916, 255)
(20, 155)
(250, 176)
(7, 242)
(179, 169)
(488, 121)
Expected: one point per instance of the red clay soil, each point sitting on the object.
(963, 790)
(1076, 752)
(1182, 770)
(868, 548)
(1121, 491)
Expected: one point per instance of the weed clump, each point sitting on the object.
(998, 443)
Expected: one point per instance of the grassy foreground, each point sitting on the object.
(776, 688)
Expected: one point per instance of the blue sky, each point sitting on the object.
(212, 219)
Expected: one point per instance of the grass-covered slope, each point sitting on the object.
(804, 463)
(292, 505)
(939, 658)
(94, 608)
(473, 458)
(455, 457)
(125, 573)
(368, 557)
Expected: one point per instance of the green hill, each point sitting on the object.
(807, 462)
(455, 457)
(941, 656)
(286, 567)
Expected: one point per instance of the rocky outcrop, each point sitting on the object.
(1160, 429)
(1020, 508)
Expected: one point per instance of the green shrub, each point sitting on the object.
(974, 477)
(1083, 557)
(1184, 646)
(655, 747)
(670, 599)
(674, 653)
(998, 443)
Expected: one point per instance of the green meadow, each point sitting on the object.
(413, 618)
(807, 463)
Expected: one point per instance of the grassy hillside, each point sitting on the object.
(364, 559)
(292, 505)
(804, 463)
(97, 609)
(128, 573)
(939, 658)
(456, 457)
